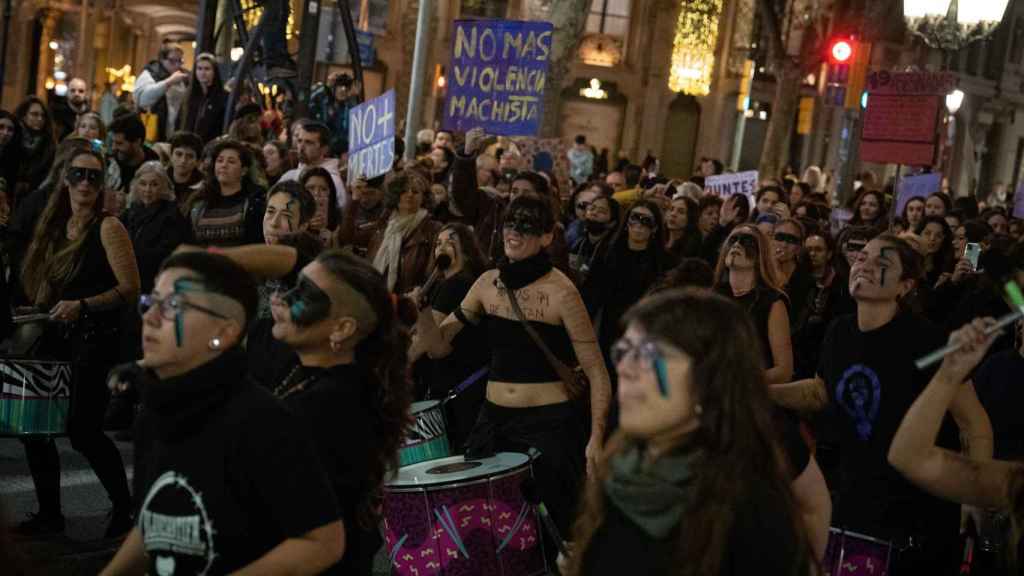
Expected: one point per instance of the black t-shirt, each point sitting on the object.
(760, 541)
(338, 408)
(998, 383)
(469, 347)
(872, 381)
(224, 473)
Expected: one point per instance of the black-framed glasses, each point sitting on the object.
(645, 351)
(642, 219)
(582, 205)
(854, 246)
(788, 238)
(173, 305)
(78, 174)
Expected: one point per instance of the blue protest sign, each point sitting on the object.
(1018, 203)
(498, 74)
(371, 137)
(920, 186)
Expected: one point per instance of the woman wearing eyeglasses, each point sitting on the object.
(692, 481)
(528, 403)
(227, 479)
(80, 267)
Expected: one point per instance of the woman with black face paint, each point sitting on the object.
(635, 260)
(349, 382)
(228, 480)
(600, 222)
(528, 401)
(80, 268)
(867, 371)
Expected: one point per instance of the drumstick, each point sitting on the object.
(532, 496)
(28, 318)
(1016, 299)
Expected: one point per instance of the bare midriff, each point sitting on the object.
(525, 395)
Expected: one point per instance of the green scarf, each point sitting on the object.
(654, 497)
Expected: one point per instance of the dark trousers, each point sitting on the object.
(89, 398)
(557, 432)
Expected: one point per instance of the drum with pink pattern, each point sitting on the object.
(454, 517)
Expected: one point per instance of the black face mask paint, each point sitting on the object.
(524, 222)
(307, 302)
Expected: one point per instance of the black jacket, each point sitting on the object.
(205, 115)
(156, 230)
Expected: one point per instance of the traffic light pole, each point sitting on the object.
(847, 156)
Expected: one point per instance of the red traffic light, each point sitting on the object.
(840, 51)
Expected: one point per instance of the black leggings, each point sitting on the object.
(89, 398)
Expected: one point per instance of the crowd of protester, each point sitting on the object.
(749, 362)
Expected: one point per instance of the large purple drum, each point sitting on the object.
(455, 517)
(852, 554)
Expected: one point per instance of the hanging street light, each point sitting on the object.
(950, 25)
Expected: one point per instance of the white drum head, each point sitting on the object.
(423, 406)
(455, 469)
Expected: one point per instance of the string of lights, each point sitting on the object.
(693, 51)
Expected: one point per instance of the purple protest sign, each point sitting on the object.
(498, 73)
(920, 186)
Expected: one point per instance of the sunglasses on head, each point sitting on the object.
(641, 219)
(78, 174)
(788, 238)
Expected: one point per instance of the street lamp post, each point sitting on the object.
(954, 100)
(950, 25)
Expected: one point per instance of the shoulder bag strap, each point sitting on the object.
(563, 371)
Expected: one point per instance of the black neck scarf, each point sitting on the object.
(516, 275)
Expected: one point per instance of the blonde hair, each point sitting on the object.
(151, 167)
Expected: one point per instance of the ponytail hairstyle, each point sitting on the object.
(381, 354)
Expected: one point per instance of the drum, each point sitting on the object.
(428, 437)
(35, 397)
(454, 517)
(852, 554)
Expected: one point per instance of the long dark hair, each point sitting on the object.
(38, 162)
(736, 435)
(620, 251)
(944, 259)
(473, 260)
(51, 260)
(22, 110)
(880, 221)
(381, 355)
(688, 243)
(332, 192)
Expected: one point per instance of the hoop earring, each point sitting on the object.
(215, 343)
(698, 409)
